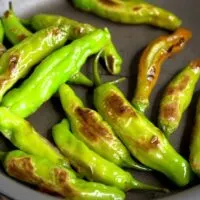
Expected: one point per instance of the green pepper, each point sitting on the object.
(92, 165)
(110, 55)
(53, 178)
(55, 70)
(150, 62)
(130, 12)
(23, 136)
(88, 126)
(14, 30)
(177, 97)
(18, 60)
(2, 32)
(195, 143)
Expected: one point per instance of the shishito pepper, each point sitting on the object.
(130, 12)
(195, 143)
(52, 72)
(14, 30)
(92, 165)
(150, 63)
(145, 141)
(53, 178)
(110, 55)
(21, 134)
(177, 97)
(18, 60)
(2, 48)
(88, 126)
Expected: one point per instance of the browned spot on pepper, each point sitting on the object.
(110, 3)
(111, 62)
(195, 64)
(12, 62)
(117, 107)
(170, 111)
(151, 73)
(137, 8)
(155, 141)
(178, 44)
(22, 169)
(22, 37)
(6, 14)
(55, 31)
(89, 125)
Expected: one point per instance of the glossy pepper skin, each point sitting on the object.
(150, 63)
(195, 143)
(146, 142)
(88, 126)
(2, 48)
(18, 60)
(55, 179)
(80, 79)
(110, 55)
(177, 97)
(91, 164)
(22, 135)
(14, 30)
(130, 12)
(55, 70)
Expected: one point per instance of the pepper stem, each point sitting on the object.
(97, 78)
(10, 5)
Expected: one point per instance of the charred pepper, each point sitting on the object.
(110, 55)
(130, 12)
(55, 70)
(23, 136)
(145, 141)
(195, 143)
(177, 97)
(150, 63)
(88, 126)
(92, 165)
(53, 178)
(18, 60)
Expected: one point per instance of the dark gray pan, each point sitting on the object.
(130, 41)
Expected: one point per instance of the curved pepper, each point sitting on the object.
(14, 30)
(150, 63)
(2, 32)
(110, 55)
(80, 79)
(130, 12)
(52, 178)
(21, 134)
(145, 142)
(195, 143)
(18, 60)
(55, 70)
(92, 165)
(177, 97)
(89, 127)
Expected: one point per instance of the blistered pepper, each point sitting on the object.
(145, 141)
(52, 178)
(195, 143)
(92, 165)
(150, 63)
(18, 60)
(14, 30)
(89, 127)
(177, 97)
(52, 72)
(110, 55)
(130, 12)
(22, 135)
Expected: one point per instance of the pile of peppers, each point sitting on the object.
(94, 148)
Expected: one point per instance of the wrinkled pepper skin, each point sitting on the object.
(195, 143)
(91, 164)
(88, 126)
(110, 55)
(22, 135)
(14, 30)
(130, 12)
(177, 97)
(55, 179)
(150, 63)
(146, 142)
(52, 72)
(18, 60)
